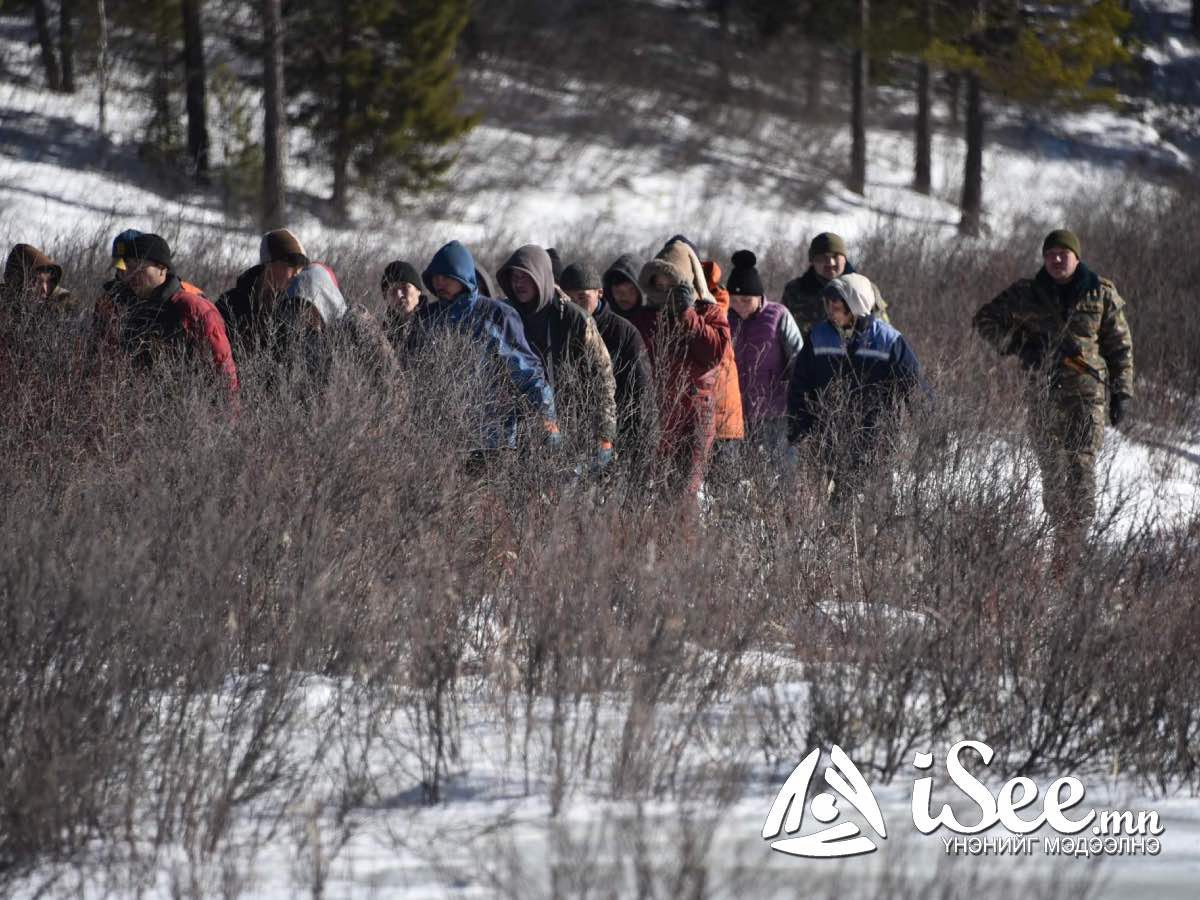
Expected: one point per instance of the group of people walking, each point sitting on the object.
(669, 362)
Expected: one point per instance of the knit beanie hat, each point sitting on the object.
(1063, 238)
(556, 265)
(856, 291)
(744, 278)
(826, 242)
(281, 246)
(579, 277)
(399, 271)
(151, 248)
(120, 247)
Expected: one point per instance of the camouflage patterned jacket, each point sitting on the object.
(1087, 312)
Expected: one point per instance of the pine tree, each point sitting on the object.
(382, 100)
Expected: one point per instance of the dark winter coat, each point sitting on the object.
(565, 338)
(177, 319)
(842, 385)
(496, 328)
(637, 412)
(802, 297)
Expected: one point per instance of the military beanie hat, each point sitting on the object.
(1065, 239)
(580, 277)
(398, 272)
(149, 248)
(826, 242)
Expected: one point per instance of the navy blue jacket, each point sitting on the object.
(495, 326)
(876, 366)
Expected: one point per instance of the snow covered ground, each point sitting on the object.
(495, 832)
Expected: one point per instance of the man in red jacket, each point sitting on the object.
(169, 316)
(686, 335)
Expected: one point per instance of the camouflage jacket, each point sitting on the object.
(1088, 312)
(802, 297)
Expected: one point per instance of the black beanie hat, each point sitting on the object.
(1065, 238)
(555, 263)
(826, 242)
(151, 248)
(398, 271)
(580, 277)
(744, 278)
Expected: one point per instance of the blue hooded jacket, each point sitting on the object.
(492, 324)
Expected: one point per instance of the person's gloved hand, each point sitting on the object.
(1118, 409)
(680, 298)
(1069, 348)
(553, 437)
(604, 456)
(1032, 352)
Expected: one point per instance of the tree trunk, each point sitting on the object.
(195, 81)
(923, 168)
(102, 117)
(274, 206)
(1196, 18)
(66, 43)
(954, 88)
(41, 21)
(858, 107)
(972, 194)
(339, 202)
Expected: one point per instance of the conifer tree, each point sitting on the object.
(381, 100)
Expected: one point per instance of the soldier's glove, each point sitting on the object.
(680, 299)
(1118, 409)
(1031, 351)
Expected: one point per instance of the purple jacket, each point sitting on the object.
(765, 346)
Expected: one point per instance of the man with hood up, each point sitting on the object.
(566, 341)
(637, 410)
(826, 261)
(851, 371)
(686, 335)
(495, 327)
(1067, 328)
(31, 281)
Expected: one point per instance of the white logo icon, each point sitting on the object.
(844, 839)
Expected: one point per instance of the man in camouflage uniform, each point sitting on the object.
(1067, 327)
(826, 261)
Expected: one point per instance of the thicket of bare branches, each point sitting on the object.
(176, 582)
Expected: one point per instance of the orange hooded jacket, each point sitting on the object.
(727, 392)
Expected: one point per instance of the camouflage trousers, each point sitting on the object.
(1067, 441)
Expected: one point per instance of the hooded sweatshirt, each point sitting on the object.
(564, 337)
(637, 408)
(802, 297)
(21, 268)
(495, 327)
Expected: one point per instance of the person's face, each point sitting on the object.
(402, 297)
(829, 265)
(144, 277)
(43, 283)
(524, 288)
(587, 300)
(839, 313)
(447, 288)
(625, 294)
(662, 283)
(1060, 264)
(745, 305)
(277, 274)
